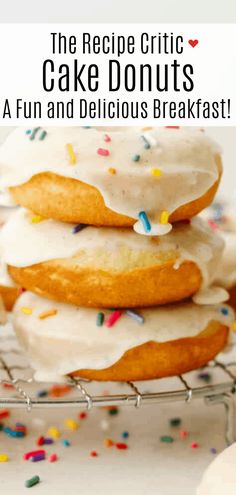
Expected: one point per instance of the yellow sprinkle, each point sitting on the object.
(147, 128)
(164, 217)
(71, 424)
(71, 154)
(156, 172)
(234, 326)
(54, 432)
(36, 219)
(26, 310)
(46, 314)
(112, 171)
(4, 458)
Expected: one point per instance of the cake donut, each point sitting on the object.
(62, 339)
(111, 267)
(146, 177)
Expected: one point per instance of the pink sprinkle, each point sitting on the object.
(121, 446)
(183, 434)
(213, 225)
(33, 453)
(172, 127)
(107, 138)
(194, 445)
(113, 318)
(103, 152)
(53, 458)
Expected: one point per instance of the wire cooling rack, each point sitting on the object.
(18, 388)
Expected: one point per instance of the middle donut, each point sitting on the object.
(107, 267)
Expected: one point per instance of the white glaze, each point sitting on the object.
(71, 340)
(220, 477)
(185, 156)
(24, 243)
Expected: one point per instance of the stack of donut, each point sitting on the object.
(118, 278)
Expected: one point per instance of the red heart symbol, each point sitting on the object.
(193, 43)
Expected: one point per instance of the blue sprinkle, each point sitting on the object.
(224, 311)
(147, 145)
(65, 442)
(125, 434)
(42, 393)
(136, 316)
(33, 133)
(28, 132)
(213, 450)
(136, 158)
(48, 441)
(144, 219)
(78, 228)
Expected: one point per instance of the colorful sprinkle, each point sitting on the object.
(205, 376)
(54, 432)
(46, 314)
(4, 414)
(147, 145)
(135, 316)
(83, 415)
(100, 319)
(59, 390)
(121, 446)
(42, 393)
(234, 326)
(156, 172)
(36, 219)
(172, 127)
(42, 135)
(93, 453)
(166, 439)
(125, 434)
(53, 458)
(145, 221)
(112, 319)
(175, 422)
(40, 441)
(71, 424)
(71, 153)
(26, 310)
(28, 132)
(113, 411)
(136, 158)
(108, 442)
(48, 441)
(112, 171)
(183, 434)
(78, 228)
(4, 458)
(32, 481)
(224, 311)
(33, 133)
(107, 138)
(194, 445)
(37, 458)
(164, 217)
(103, 152)
(213, 450)
(65, 442)
(32, 453)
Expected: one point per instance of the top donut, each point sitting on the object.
(146, 177)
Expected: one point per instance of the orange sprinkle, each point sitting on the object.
(112, 171)
(234, 326)
(108, 442)
(46, 314)
(71, 154)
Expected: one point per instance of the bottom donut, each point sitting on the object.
(62, 339)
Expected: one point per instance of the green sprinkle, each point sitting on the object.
(175, 422)
(100, 319)
(166, 439)
(42, 135)
(136, 158)
(1, 426)
(113, 411)
(32, 481)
